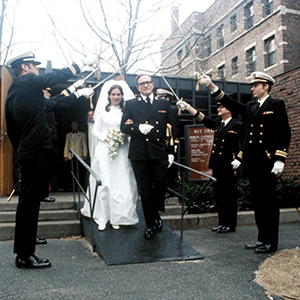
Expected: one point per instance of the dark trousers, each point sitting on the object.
(226, 196)
(35, 179)
(265, 204)
(151, 178)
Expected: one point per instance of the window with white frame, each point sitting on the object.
(234, 66)
(251, 60)
(221, 72)
(233, 25)
(268, 7)
(249, 15)
(179, 59)
(270, 51)
(220, 36)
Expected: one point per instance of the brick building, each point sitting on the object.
(233, 38)
(287, 88)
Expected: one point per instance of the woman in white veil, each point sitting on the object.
(117, 195)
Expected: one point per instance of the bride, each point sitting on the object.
(117, 195)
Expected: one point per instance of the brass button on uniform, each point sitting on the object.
(147, 140)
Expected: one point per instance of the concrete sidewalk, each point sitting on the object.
(226, 272)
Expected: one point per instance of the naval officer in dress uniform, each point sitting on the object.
(226, 156)
(145, 119)
(29, 133)
(266, 143)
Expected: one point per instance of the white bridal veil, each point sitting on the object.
(103, 97)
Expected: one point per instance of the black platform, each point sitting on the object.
(127, 245)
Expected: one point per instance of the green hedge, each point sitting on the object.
(288, 194)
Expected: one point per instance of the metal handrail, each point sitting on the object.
(183, 211)
(75, 178)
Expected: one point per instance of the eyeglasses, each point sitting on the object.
(144, 83)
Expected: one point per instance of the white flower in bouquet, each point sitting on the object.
(115, 138)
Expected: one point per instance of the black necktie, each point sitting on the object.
(255, 107)
(148, 101)
(222, 124)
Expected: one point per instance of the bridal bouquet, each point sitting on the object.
(115, 138)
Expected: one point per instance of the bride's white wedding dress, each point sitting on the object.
(117, 196)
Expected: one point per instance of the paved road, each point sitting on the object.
(226, 272)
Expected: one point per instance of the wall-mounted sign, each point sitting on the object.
(199, 141)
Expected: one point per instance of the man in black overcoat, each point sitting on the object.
(266, 143)
(145, 119)
(29, 133)
(225, 157)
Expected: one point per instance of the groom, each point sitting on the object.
(145, 119)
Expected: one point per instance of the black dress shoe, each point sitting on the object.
(40, 241)
(226, 229)
(158, 224)
(217, 228)
(148, 233)
(48, 199)
(33, 262)
(253, 246)
(266, 248)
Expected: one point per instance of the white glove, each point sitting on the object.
(90, 60)
(183, 105)
(170, 160)
(145, 128)
(72, 88)
(204, 79)
(278, 167)
(235, 164)
(87, 92)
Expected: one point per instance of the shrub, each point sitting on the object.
(288, 191)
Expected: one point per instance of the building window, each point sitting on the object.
(179, 59)
(251, 60)
(234, 66)
(249, 15)
(268, 7)
(220, 36)
(221, 72)
(270, 51)
(233, 25)
(187, 49)
(207, 46)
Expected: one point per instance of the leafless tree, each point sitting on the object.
(124, 33)
(7, 18)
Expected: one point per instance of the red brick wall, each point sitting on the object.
(287, 89)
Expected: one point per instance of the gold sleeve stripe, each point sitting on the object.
(72, 69)
(281, 153)
(240, 155)
(200, 116)
(65, 93)
(220, 96)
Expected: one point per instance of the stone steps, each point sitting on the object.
(60, 219)
(56, 220)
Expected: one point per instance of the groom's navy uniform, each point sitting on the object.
(149, 153)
